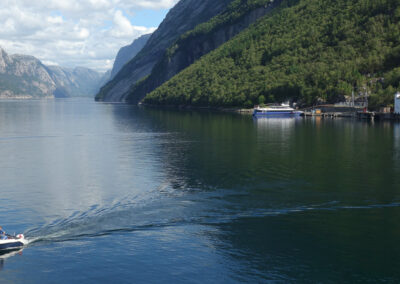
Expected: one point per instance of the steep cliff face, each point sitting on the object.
(200, 41)
(183, 17)
(5, 61)
(126, 53)
(23, 76)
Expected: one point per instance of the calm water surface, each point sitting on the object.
(122, 194)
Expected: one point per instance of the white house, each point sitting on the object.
(397, 103)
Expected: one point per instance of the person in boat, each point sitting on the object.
(3, 235)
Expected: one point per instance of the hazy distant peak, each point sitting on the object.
(126, 53)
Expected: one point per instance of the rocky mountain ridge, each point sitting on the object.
(24, 76)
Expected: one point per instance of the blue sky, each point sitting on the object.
(73, 33)
(147, 17)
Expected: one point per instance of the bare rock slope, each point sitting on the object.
(24, 76)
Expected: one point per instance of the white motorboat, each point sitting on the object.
(13, 242)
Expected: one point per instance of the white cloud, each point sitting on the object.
(73, 32)
(55, 20)
(122, 26)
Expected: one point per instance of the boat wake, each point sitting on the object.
(168, 208)
(129, 214)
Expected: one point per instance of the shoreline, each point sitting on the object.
(24, 98)
(307, 114)
(188, 107)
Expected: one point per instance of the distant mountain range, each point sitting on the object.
(75, 82)
(24, 76)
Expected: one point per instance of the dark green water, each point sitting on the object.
(123, 194)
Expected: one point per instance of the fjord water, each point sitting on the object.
(109, 192)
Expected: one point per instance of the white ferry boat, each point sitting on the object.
(276, 111)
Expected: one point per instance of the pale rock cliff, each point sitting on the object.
(24, 76)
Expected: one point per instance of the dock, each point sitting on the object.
(329, 114)
(369, 115)
(366, 115)
(331, 111)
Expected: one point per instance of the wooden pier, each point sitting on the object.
(330, 111)
(366, 115)
(330, 114)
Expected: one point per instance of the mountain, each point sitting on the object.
(77, 82)
(201, 40)
(23, 76)
(126, 53)
(104, 79)
(183, 17)
(309, 51)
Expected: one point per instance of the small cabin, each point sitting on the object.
(397, 103)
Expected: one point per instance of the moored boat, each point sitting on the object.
(276, 111)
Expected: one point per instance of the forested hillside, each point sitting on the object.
(305, 50)
(201, 40)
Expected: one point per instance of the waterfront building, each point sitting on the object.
(397, 103)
